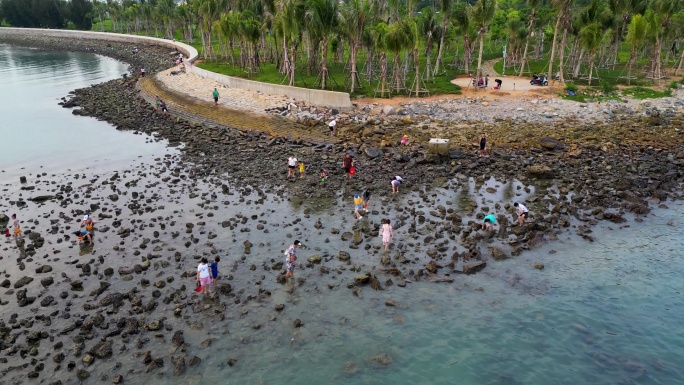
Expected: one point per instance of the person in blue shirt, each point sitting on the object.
(488, 222)
(213, 267)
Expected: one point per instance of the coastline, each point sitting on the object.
(566, 183)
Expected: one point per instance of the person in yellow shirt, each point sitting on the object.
(358, 204)
(301, 170)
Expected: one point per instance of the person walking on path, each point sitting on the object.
(291, 164)
(215, 94)
(162, 105)
(331, 126)
(157, 102)
(522, 212)
(16, 232)
(386, 232)
(291, 259)
(483, 144)
(396, 182)
(488, 222)
(358, 205)
(366, 198)
(213, 267)
(348, 164)
(203, 275)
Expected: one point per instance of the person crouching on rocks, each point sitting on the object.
(489, 222)
(396, 182)
(522, 212)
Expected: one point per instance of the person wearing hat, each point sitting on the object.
(396, 182)
(358, 205)
(291, 259)
(85, 234)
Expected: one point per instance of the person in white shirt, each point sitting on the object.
(331, 126)
(291, 164)
(203, 276)
(522, 212)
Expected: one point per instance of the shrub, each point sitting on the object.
(607, 88)
(571, 87)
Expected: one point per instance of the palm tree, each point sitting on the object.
(250, 31)
(354, 16)
(399, 37)
(445, 8)
(636, 35)
(464, 25)
(229, 26)
(483, 12)
(622, 11)
(563, 10)
(379, 33)
(182, 13)
(533, 16)
(288, 17)
(322, 17)
(207, 12)
(662, 13)
(590, 37)
(429, 29)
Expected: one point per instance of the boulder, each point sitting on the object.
(178, 365)
(472, 268)
(548, 143)
(343, 256)
(23, 281)
(362, 279)
(315, 258)
(374, 153)
(102, 349)
(540, 172)
(497, 253)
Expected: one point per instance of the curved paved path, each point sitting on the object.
(200, 111)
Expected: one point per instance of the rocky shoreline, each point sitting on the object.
(131, 296)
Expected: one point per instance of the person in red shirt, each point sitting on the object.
(348, 164)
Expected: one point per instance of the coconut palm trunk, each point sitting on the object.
(324, 62)
(352, 58)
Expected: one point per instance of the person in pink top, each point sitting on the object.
(386, 232)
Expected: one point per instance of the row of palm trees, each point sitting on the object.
(364, 34)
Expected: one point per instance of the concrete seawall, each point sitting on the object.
(315, 97)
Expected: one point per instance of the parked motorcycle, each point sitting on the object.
(539, 81)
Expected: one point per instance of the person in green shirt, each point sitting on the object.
(216, 95)
(489, 222)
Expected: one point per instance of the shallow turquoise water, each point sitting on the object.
(37, 133)
(608, 312)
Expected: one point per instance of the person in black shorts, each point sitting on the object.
(522, 212)
(483, 144)
(162, 105)
(366, 198)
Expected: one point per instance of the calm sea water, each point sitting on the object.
(36, 132)
(608, 312)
